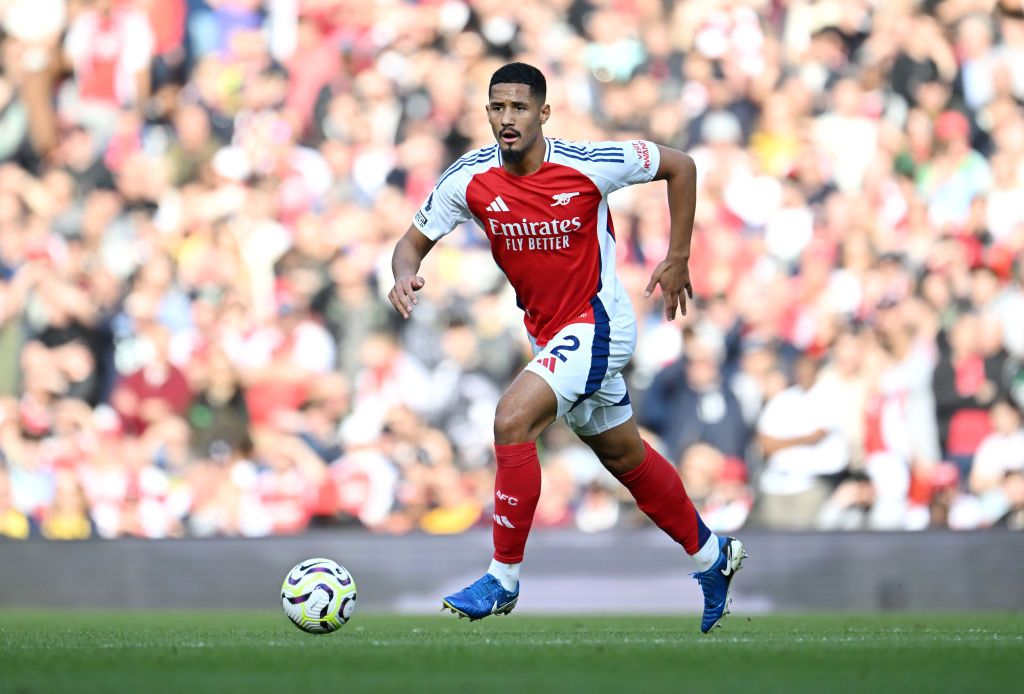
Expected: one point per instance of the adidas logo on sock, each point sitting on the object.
(503, 520)
(497, 205)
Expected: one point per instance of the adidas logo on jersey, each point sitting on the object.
(548, 363)
(497, 205)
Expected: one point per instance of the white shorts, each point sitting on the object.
(583, 364)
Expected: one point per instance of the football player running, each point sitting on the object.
(542, 203)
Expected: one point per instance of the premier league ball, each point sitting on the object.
(318, 595)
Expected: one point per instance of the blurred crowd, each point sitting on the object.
(199, 198)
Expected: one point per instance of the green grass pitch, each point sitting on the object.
(262, 652)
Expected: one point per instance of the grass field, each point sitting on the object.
(262, 652)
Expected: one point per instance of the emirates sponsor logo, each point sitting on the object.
(524, 235)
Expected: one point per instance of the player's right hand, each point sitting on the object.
(403, 294)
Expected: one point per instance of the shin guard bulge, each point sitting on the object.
(516, 491)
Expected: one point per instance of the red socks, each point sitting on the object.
(516, 491)
(654, 484)
(659, 493)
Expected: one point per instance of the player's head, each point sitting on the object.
(516, 108)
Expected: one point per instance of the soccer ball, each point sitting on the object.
(318, 595)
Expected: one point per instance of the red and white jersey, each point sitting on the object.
(550, 232)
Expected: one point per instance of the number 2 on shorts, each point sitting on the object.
(574, 344)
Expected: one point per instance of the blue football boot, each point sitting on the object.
(485, 597)
(715, 582)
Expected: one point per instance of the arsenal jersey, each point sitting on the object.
(550, 232)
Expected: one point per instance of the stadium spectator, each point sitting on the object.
(67, 517)
(689, 403)
(846, 381)
(849, 507)
(14, 524)
(110, 47)
(555, 508)
(598, 509)
(718, 487)
(1002, 451)
(453, 506)
(965, 387)
(977, 58)
(218, 416)
(155, 391)
(946, 505)
(463, 395)
(1013, 506)
(802, 444)
(757, 378)
(348, 306)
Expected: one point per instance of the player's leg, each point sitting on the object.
(603, 419)
(524, 411)
(527, 408)
(612, 434)
(657, 488)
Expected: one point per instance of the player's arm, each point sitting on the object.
(673, 273)
(410, 251)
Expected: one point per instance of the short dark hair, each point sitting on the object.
(521, 73)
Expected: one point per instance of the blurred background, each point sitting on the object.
(199, 199)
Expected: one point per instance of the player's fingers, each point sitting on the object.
(397, 302)
(671, 302)
(406, 296)
(684, 295)
(654, 280)
(394, 302)
(415, 283)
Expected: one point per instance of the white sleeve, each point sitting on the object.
(614, 164)
(137, 51)
(444, 209)
(76, 41)
(773, 418)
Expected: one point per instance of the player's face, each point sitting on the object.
(516, 118)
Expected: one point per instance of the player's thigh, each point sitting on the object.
(583, 360)
(526, 408)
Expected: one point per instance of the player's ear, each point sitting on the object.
(545, 113)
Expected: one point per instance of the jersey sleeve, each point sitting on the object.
(444, 209)
(615, 164)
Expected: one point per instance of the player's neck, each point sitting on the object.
(530, 163)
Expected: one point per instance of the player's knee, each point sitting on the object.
(619, 462)
(512, 425)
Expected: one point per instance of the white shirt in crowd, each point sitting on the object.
(792, 413)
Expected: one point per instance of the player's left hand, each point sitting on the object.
(674, 278)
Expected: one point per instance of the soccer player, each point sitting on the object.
(542, 203)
